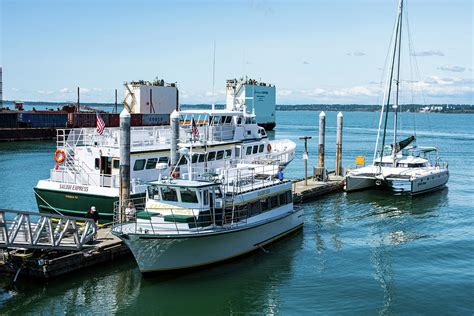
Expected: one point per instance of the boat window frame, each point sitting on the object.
(136, 166)
(248, 151)
(186, 191)
(151, 163)
(162, 188)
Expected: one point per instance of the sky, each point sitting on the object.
(319, 51)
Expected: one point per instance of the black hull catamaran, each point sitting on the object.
(406, 168)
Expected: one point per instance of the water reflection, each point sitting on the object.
(245, 285)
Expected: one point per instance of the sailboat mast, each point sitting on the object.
(389, 83)
(397, 83)
(214, 77)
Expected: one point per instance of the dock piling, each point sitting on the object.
(339, 144)
(174, 155)
(124, 161)
(305, 158)
(322, 132)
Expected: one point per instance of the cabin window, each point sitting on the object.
(116, 164)
(151, 163)
(283, 199)
(239, 121)
(264, 205)
(249, 132)
(242, 211)
(139, 164)
(220, 155)
(237, 152)
(249, 150)
(182, 161)
(195, 158)
(215, 120)
(254, 208)
(228, 119)
(222, 120)
(255, 149)
(260, 148)
(228, 153)
(163, 160)
(201, 158)
(211, 156)
(188, 196)
(97, 163)
(274, 201)
(289, 197)
(248, 120)
(254, 120)
(153, 192)
(169, 194)
(205, 199)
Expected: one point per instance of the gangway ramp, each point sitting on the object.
(33, 230)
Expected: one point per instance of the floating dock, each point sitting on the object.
(46, 264)
(315, 189)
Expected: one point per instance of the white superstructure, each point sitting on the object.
(155, 97)
(253, 97)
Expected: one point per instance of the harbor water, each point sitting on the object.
(361, 253)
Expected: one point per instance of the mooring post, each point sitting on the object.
(174, 155)
(124, 162)
(322, 127)
(305, 158)
(78, 99)
(339, 144)
(116, 104)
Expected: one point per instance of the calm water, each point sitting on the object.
(363, 253)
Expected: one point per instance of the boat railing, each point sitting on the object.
(63, 175)
(133, 217)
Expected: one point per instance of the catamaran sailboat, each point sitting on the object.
(405, 168)
(192, 222)
(89, 171)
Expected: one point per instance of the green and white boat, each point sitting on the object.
(89, 172)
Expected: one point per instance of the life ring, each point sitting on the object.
(59, 156)
(269, 147)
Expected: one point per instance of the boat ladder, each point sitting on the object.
(33, 230)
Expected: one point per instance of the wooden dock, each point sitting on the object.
(306, 193)
(48, 264)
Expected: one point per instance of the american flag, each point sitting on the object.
(100, 124)
(194, 129)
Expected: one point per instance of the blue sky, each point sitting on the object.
(313, 51)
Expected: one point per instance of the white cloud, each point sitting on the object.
(356, 53)
(45, 92)
(65, 90)
(433, 52)
(305, 62)
(15, 89)
(284, 92)
(451, 68)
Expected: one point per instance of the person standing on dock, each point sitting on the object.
(92, 213)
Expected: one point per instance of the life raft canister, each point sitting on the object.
(269, 147)
(59, 156)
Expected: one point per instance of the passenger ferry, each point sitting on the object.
(87, 172)
(188, 223)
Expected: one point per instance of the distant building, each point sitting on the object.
(253, 96)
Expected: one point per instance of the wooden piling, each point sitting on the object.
(339, 144)
(322, 132)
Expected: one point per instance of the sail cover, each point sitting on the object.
(404, 143)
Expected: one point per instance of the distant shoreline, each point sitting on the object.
(432, 108)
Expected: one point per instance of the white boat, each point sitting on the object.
(89, 174)
(398, 167)
(192, 223)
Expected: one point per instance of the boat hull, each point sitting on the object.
(77, 203)
(155, 253)
(356, 183)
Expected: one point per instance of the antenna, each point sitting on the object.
(214, 77)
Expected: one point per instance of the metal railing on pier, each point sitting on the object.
(32, 230)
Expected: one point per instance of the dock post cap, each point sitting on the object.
(174, 114)
(124, 113)
(339, 114)
(322, 114)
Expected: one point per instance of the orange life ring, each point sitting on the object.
(269, 147)
(59, 156)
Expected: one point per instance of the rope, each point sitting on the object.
(53, 208)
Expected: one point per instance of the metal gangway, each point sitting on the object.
(33, 230)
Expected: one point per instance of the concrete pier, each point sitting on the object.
(314, 189)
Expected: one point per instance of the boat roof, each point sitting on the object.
(183, 183)
(214, 112)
